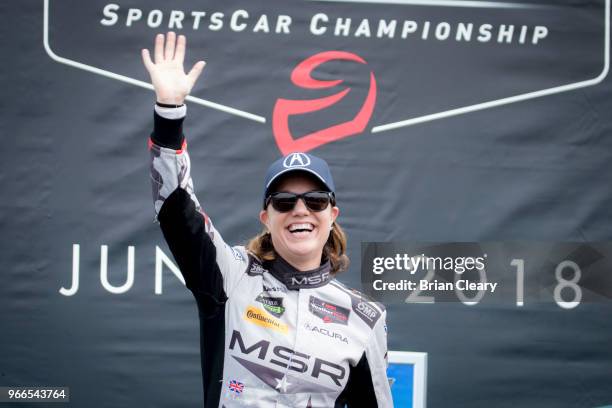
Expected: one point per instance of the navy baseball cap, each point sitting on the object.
(303, 162)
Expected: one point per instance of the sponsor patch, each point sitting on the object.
(262, 318)
(328, 312)
(366, 311)
(273, 305)
(267, 288)
(326, 332)
(256, 269)
(366, 308)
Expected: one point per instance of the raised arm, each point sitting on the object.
(210, 267)
(170, 168)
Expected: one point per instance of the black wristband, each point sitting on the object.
(167, 132)
(166, 105)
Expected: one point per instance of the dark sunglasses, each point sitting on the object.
(315, 201)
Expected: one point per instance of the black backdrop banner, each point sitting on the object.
(443, 121)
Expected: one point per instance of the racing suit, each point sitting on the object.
(271, 336)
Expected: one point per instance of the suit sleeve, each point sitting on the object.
(210, 266)
(368, 385)
(376, 354)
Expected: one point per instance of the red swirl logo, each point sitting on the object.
(301, 77)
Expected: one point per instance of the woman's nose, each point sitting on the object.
(300, 207)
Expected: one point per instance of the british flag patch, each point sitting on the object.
(236, 386)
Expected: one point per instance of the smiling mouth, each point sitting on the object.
(301, 228)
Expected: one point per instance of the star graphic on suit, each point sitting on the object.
(282, 384)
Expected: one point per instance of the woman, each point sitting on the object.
(277, 330)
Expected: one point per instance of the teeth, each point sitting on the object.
(303, 226)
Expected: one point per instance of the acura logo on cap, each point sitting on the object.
(296, 160)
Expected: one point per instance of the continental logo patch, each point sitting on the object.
(328, 312)
(262, 318)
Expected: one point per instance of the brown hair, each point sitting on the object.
(334, 249)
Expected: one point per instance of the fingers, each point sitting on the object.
(174, 48)
(179, 55)
(159, 48)
(146, 59)
(196, 71)
(170, 42)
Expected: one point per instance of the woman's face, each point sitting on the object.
(302, 248)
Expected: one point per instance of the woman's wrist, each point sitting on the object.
(170, 98)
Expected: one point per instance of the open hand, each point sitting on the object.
(168, 76)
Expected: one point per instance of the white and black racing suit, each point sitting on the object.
(271, 336)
